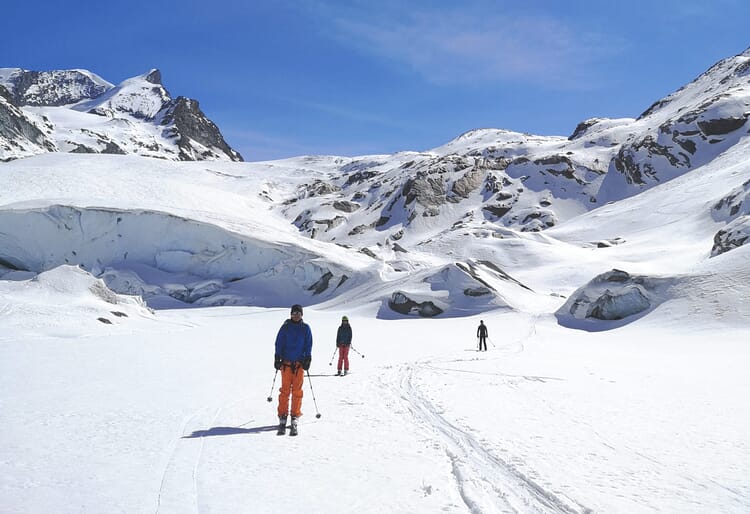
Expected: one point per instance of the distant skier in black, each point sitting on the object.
(482, 335)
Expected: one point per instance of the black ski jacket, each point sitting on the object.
(344, 334)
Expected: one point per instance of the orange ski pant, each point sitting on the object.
(291, 384)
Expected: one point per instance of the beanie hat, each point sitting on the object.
(344, 318)
(296, 308)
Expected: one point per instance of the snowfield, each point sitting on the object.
(166, 411)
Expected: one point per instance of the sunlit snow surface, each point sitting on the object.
(164, 410)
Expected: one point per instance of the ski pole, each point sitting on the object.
(332, 356)
(355, 350)
(272, 385)
(490, 340)
(317, 415)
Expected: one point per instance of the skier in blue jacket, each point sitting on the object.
(293, 356)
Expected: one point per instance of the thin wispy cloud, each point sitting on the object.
(257, 146)
(449, 46)
(349, 114)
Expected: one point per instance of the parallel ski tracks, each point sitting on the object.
(174, 480)
(485, 482)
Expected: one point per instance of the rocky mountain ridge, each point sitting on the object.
(453, 230)
(524, 182)
(78, 111)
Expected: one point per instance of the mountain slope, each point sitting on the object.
(494, 219)
(137, 116)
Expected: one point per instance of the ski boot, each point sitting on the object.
(282, 425)
(293, 429)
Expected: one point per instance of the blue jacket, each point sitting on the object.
(344, 334)
(294, 341)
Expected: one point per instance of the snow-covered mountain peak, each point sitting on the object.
(52, 88)
(77, 111)
(142, 97)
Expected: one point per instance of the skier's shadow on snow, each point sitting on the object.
(215, 431)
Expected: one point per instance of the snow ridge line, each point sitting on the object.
(486, 483)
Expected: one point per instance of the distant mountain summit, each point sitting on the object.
(523, 182)
(78, 111)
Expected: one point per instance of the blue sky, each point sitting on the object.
(351, 78)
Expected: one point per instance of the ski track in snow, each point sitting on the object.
(486, 483)
(184, 457)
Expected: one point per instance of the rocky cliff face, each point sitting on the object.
(198, 138)
(20, 135)
(77, 111)
(52, 88)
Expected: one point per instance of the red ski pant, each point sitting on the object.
(291, 384)
(344, 356)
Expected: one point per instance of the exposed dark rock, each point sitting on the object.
(82, 148)
(321, 284)
(361, 176)
(402, 304)
(479, 291)
(191, 125)
(468, 183)
(368, 252)
(427, 191)
(343, 205)
(611, 296)
(113, 148)
(358, 230)
(497, 210)
(583, 127)
(607, 243)
(636, 170)
(4, 93)
(734, 203)
(18, 130)
(721, 127)
(734, 235)
(154, 77)
(538, 220)
(502, 274)
(614, 306)
(53, 88)
(335, 222)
